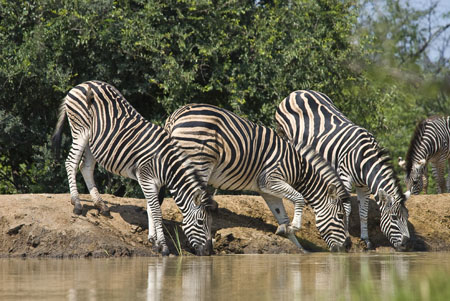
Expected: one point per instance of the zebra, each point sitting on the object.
(310, 117)
(106, 129)
(232, 153)
(402, 165)
(429, 143)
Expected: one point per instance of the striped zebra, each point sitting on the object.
(107, 129)
(309, 117)
(429, 143)
(232, 153)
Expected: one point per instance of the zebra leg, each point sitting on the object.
(438, 169)
(87, 167)
(448, 177)
(75, 154)
(155, 224)
(425, 179)
(363, 194)
(276, 206)
(348, 183)
(284, 190)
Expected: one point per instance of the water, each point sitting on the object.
(239, 277)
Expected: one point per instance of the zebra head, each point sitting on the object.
(414, 180)
(394, 220)
(331, 221)
(197, 222)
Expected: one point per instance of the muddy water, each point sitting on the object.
(245, 277)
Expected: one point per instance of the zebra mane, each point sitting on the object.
(313, 157)
(414, 143)
(416, 139)
(385, 159)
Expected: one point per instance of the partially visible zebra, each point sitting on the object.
(233, 153)
(107, 129)
(402, 164)
(429, 143)
(309, 117)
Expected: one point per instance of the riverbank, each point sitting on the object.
(43, 225)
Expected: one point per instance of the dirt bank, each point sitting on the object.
(43, 225)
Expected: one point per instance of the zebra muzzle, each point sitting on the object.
(205, 250)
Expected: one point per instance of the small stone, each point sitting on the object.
(134, 228)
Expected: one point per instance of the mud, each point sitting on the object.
(43, 225)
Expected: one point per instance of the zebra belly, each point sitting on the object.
(220, 180)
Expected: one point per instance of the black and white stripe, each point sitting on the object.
(309, 117)
(232, 153)
(430, 143)
(107, 129)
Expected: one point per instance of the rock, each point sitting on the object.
(15, 230)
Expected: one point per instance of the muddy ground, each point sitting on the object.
(43, 225)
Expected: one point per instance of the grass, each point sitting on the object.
(176, 242)
(429, 286)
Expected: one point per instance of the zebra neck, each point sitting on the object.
(179, 176)
(315, 176)
(384, 179)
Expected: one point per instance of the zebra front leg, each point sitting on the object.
(276, 206)
(438, 170)
(363, 194)
(425, 179)
(348, 183)
(448, 177)
(75, 153)
(155, 224)
(87, 170)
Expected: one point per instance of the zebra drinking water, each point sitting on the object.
(107, 129)
(309, 117)
(232, 153)
(430, 143)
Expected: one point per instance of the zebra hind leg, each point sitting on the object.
(75, 154)
(87, 170)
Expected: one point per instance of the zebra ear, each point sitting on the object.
(332, 191)
(197, 197)
(402, 163)
(422, 162)
(407, 194)
(384, 198)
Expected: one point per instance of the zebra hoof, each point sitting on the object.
(106, 213)
(292, 229)
(78, 209)
(165, 251)
(281, 230)
(368, 243)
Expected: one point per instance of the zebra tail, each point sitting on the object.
(56, 138)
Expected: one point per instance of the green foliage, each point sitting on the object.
(432, 286)
(245, 56)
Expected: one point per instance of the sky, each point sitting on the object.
(443, 6)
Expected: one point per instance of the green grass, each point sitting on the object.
(434, 286)
(176, 241)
